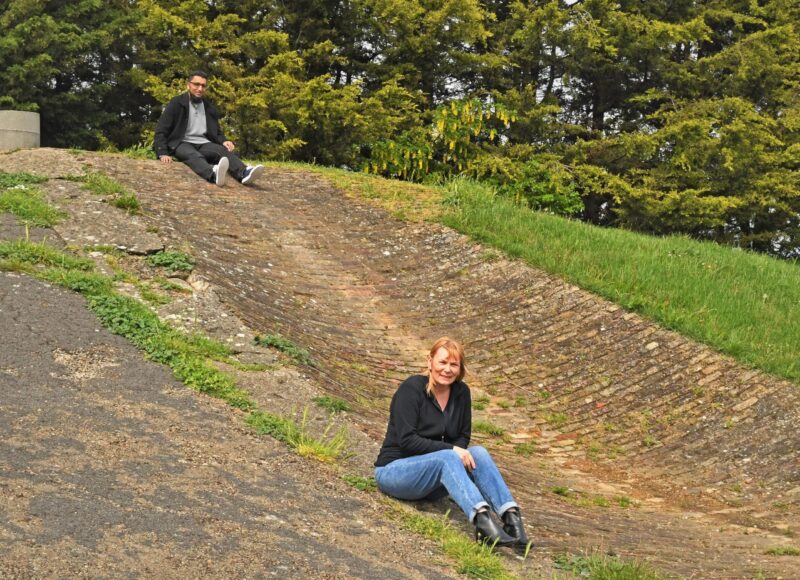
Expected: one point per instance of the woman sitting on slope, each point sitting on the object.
(425, 449)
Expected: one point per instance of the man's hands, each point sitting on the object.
(229, 145)
(465, 457)
(166, 158)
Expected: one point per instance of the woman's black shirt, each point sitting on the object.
(417, 425)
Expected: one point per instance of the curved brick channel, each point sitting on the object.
(613, 403)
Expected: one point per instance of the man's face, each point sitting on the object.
(197, 86)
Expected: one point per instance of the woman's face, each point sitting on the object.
(444, 367)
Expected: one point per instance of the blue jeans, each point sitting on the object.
(418, 476)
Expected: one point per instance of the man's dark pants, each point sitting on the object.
(202, 158)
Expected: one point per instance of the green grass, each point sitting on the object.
(8, 180)
(604, 567)
(286, 346)
(101, 184)
(26, 203)
(472, 559)
(525, 449)
(128, 202)
(361, 483)
(740, 303)
(332, 404)
(783, 551)
(172, 261)
(327, 448)
(487, 428)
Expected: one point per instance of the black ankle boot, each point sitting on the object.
(488, 532)
(512, 525)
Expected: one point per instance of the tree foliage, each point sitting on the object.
(679, 116)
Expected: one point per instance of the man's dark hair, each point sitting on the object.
(197, 73)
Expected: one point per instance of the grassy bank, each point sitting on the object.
(742, 304)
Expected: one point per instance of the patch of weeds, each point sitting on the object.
(783, 551)
(649, 441)
(327, 448)
(520, 401)
(563, 491)
(503, 404)
(487, 428)
(597, 501)
(544, 395)
(286, 346)
(172, 261)
(358, 367)
(8, 180)
(185, 355)
(605, 567)
(152, 230)
(624, 501)
(525, 449)
(332, 404)
(152, 297)
(480, 403)
(139, 151)
(128, 202)
(361, 483)
(106, 249)
(557, 420)
(609, 427)
(472, 559)
(593, 451)
(165, 284)
(28, 206)
(489, 256)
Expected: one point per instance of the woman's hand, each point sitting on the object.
(465, 457)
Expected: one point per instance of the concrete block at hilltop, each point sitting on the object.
(19, 130)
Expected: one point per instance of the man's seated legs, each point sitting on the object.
(201, 163)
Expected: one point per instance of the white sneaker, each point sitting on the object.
(220, 171)
(252, 173)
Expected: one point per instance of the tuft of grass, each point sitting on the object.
(101, 184)
(480, 403)
(472, 559)
(361, 483)
(525, 449)
(783, 551)
(286, 346)
(557, 420)
(128, 202)
(327, 448)
(172, 261)
(487, 428)
(604, 567)
(563, 491)
(332, 404)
